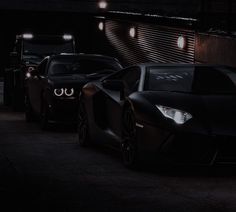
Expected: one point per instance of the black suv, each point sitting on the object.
(29, 50)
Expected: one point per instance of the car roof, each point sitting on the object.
(84, 55)
(143, 65)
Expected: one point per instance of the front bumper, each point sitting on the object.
(186, 147)
(63, 110)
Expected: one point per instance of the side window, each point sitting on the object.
(42, 67)
(131, 79)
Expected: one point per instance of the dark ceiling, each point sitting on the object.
(91, 6)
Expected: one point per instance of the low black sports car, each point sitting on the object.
(174, 113)
(52, 90)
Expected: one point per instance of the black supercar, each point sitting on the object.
(172, 113)
(52, 90)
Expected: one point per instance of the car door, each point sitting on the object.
(36, 86)
(114, 104)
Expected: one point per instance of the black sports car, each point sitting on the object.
(173, 113)
(52, 90)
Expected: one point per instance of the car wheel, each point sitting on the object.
(44, 117)
(82, 127)
(129, 147)
(29, 115)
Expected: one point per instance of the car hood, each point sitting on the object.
(68, 80)
(215, 113)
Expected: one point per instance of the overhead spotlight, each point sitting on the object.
(132, 32)
(67, 37)
(101, 26)
(181, 42)
(27, 36)
(102, 4)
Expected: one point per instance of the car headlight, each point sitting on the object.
(59, 92)
(179, 117)
(69, 91)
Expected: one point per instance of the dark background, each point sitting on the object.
(78, 17)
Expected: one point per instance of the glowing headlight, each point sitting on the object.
(180, 117)
(28, 75)
(58, 92)
(69, 92)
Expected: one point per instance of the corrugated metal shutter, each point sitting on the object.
(153, 43)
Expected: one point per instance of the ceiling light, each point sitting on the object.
(102, 4)
(67, 37)
(27, 36)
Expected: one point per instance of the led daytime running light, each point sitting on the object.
(59, 92)
(69, 92)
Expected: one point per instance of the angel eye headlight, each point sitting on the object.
(179, 117)
(69, 91)
(58, 91)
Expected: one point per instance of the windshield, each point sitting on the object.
(77, 65)
(44, 48)
(204, 80)
(35, 59)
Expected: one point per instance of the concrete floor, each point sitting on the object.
(48, 171)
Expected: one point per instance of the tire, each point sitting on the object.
(129, 146)
(29, 115)
(44, 117)
(82, 127)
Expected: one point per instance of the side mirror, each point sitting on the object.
(14, 59)
(115, 85)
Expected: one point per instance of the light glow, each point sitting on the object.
(179, 117)
(102, 4)
(181, 42)
(101, 26)
(31, 69)
(27, 36)
(69, 92)
(67, 37)
(28, 75)
(132, 32)
(59, 92)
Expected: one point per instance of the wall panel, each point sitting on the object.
(153, 43)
